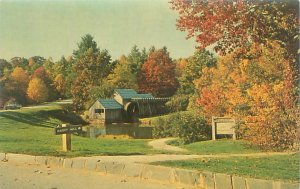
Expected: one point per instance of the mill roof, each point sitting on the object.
(147, 95)
(131, 93)
(110, 104)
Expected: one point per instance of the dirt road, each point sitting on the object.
(26, 176)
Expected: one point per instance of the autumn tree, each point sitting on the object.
(158, 74)
(258, 91)
(59, 83)
(181, 64)
(37, 90)
(231, 24)
(45, 76)
(20, 76)
(273, 97)
(16, 85)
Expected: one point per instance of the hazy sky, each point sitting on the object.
(53, 28)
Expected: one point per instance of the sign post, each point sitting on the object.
(66, 141)
(66, 130)
(223, 126)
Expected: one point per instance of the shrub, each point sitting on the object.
(192, 128)
(188, 126)
(163, 127)
(178, 103)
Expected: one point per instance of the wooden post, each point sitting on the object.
(213, 125)
(234, 134)
(66, 140)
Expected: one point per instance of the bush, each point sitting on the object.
(188, 126)
(178, 103)
(163, 127)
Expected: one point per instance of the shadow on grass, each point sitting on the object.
(66, 116)
(27, 119)
(41, 118)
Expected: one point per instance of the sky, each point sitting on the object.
(53, 28)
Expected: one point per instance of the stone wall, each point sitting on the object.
(201, 180)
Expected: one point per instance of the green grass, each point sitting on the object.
(30, 131)
(276, 167)
(221, 146)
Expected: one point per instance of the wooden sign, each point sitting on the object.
(66, 130)
(223, 126)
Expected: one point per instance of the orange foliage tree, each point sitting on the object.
(158, 74)
(258, 90)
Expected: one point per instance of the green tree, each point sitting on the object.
(49, 66)
(64, 68)
(90, 68)
(5, 67)
(193, 70)
(136, 59)
(122, 76)
(35, 62)
(19, 62)
(186, 93)
(87, 42)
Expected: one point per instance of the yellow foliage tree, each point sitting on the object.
(20, 75)
(17, 84)
(257, 89)
(37, 90)
(59, 83)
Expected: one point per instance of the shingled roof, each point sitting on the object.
(130, 93)
(110, 104)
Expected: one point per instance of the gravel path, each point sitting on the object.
(27, 176)
(160, 144)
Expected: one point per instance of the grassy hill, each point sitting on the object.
(30, 131)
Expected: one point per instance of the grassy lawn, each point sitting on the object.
(30, 131)
(277, 167)
(221, 146)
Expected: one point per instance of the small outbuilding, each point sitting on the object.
(108, 110)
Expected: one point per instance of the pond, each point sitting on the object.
(133, 130)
